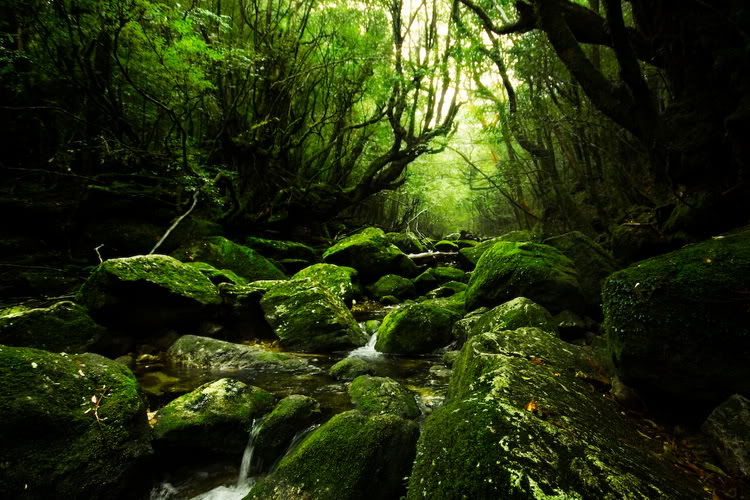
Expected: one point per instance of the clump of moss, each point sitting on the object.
(381, 395)
(353, 455)
(511, 269)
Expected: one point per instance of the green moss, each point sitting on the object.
(370, 253)
(218, 276)
(342, 281)
(351, 456)
(215, 416)
(62, 327)
(514, 314)
(407, 242)
(226, 254)
(307, 317)
(392, 284)
(291, 415)
(351, 368)
(416, 329)
(539, 272)
(446, 246)
(281, 249)
(381, 395)
(53, 445)
(678, 323)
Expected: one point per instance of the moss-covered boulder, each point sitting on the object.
(351, 368)
(407, 242)
(72, 426)
(340, 280)
(62, 327)
(381, 395)
(218, 276)
(226, 254)
(281, 249)
(469, 256)
(514, 314)
(416, 329)
(350, 457)
(678, 324)
(436, 276)
(446, 246)
(593, 264)
(206, 353)
(447, 289)
(307, 317)
(148, 291)
(538, 272)
(215, 417)
(461, 330)
(290, 416)
(370, 253)
(523, 420)
(392, 284)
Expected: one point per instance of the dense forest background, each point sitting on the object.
(624, 120)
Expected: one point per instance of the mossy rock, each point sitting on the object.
(307, 317)
(538, 272)
(340, 280)
(407, 242)
(416, 329)
(146, 292)
(72, 426)
(470, 255)
(218, 276)
(447, 290)
(380, 395)
(455, 303)
(205, 353)
(62, 327)
(631, 243)
(215, 417)
(291, 415)
(593, 264)
(351, 368)
(522, 420)
(436, 276)
(392, 284)
(678, 325)
(370, 253)
(226, 254)
(446, 246)
(350, 457)
(515, 314)
(281, 249)
(461, 330)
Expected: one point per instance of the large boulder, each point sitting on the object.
(62, 327)
(514, 314)
(72, 426)
(678, 325)
(416, 329)
(290, 416)
(226, 254)
(393, 285)
(215, 417)
(370, 253)
(512, 269)
(205, 353)
(381, 395)
(522, 419)
(340, 280)
(593, 264)
(307, 317)
(350, 457)
(148, 291)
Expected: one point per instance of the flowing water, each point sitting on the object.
(212, 478)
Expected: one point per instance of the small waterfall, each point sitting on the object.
(368, 350)
(247, 456)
